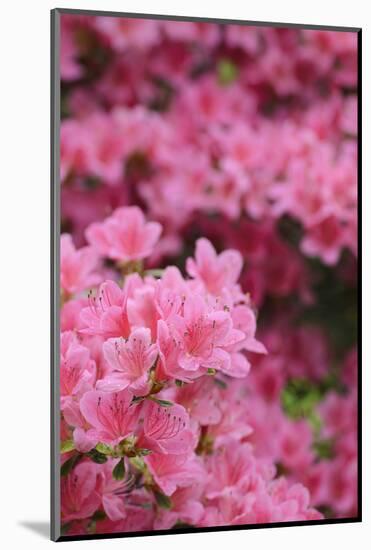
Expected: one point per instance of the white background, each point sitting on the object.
(25, 264)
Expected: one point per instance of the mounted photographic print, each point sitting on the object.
(204, 278)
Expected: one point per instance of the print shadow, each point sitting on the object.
(41, 528)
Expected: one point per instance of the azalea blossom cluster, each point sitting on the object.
(313, 440)
(155, 429)
(187, 117)
(208, 274)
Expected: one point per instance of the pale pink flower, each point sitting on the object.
(342, 482)
(234, 419)
(193, 32)
(70, 314)
(76, 150)
(171, 472)
(108, 144)
(77, 369)
(141, 308)
(186, 507)
(78, 267)
(125, 236)
(201, 334)
(291, 502)
(244, 320)
(168, 366)
(79, 492)
(106, 314)
(267, 378)
(232, 468)
(325, 240)
(69, 53)
(201, 400)
(216, 272)
(244, 37)
(166, 429)
(111, 415)
(139, 516)
(124, 34)
(112, 491)
(130, 362)
(296, 445)
(82, 435)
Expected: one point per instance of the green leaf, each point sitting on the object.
(220, 383)
(66, 527)
(179, 383)
(162, 500)
(145, 505)
(227, 72)
(91, 182)
(290, 230)
(138, 463)
(96, 456)
(211, 372)
(67, 446)
(99, 515)
(136, 400)
(154, 273)
(118, 471)
(182, 525)
(143, 452)
(69, 465)
(92, 527)
(316, 422)
(299, 397)
(104, 449)
(162, 402)
(324, 448)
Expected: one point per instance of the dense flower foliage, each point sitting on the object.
(208, 173)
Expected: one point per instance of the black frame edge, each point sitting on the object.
(54, 282)
(76, 11)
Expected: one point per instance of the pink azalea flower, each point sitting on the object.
(201, 401)
(342, 482)
(70, 68)
(77, 266)
(142, 310)
(70, 314)
(107, 314)
(168, 301)
(186, 508)
(122, 33)
(232, 468)
(234, 422)
(325, 240)
(125, 236)
(296, 451)
(247, 38)
(79, 492)
(291, 502)
(166, 429)
(77, 370)
(130, 362)
(192, 32)
(83, 438)
(171, 472)
(168, 366)
(111, 414)
(139, 516)
(216, 272)
(112, 491)
(201, 335)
